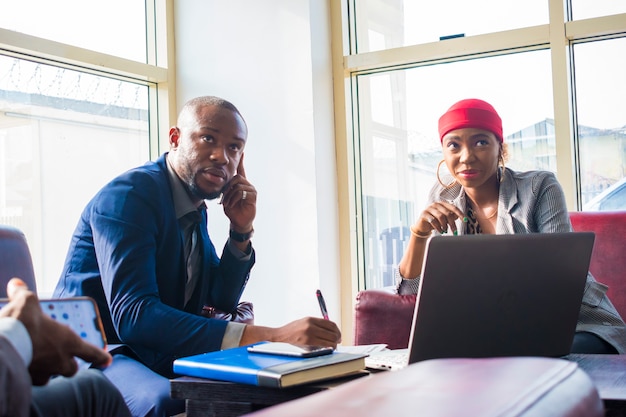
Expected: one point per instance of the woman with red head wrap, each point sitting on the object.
(480, 195)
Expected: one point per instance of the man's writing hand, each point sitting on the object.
(305, 331)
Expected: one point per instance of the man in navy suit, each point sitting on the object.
(142, 250)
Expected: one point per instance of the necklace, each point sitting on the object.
(491, 215)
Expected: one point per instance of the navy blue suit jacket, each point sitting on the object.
(127, 253)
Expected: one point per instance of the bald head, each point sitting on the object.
(189, 110)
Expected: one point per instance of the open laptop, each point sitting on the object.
(496, 295)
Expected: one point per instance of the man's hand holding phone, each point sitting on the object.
(54, 345)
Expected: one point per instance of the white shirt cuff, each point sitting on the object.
(241, 256)
(232, 335)
(15, 332)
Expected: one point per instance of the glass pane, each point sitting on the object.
(600, 92)
(399, 145)
(585, 9)
(384, 24)
(63, 134)
(115, 27)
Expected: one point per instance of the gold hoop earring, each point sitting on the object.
(439, 178)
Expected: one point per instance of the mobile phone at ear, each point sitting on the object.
(80, 314)
(288, 349)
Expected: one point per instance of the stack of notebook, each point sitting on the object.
(269, 370)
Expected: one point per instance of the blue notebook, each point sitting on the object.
(278, 371)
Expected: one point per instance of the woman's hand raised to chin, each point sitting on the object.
(438, 216)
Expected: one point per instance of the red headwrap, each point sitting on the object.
(471, 113)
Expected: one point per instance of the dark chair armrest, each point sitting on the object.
(383, 317)
(243, 314)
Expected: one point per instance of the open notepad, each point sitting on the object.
(363, 349)
(379, 356)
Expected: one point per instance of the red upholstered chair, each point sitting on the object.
(15, 259)
(383, 317)
(608, 261)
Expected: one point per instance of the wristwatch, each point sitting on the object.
(241, 237)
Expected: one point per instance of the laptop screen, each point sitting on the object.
(500, 295)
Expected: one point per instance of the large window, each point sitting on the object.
(72, 118)
(399, 144)
(600, 91)
(62, 135)
(557, 83)
(385, 24)
(115, 27)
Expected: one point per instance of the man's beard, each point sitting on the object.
(196, 191)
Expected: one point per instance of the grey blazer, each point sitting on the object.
(533, 202)
(15, 394)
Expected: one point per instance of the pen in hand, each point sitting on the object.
(320, 300)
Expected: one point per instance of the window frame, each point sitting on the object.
(558, 36)
(157, 74)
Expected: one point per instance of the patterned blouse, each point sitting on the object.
(472, 227)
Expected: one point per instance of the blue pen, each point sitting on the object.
(320, 300)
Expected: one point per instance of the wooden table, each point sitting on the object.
(608, 372)
(206, 397)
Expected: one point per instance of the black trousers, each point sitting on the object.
(87, 394)
(585, 342)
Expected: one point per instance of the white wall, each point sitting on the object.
(271, 58)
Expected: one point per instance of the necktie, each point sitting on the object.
(193, 255)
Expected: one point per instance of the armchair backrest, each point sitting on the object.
(608, 261)
(383, 317)
(15, 259)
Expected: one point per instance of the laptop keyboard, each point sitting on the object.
(389, 359)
